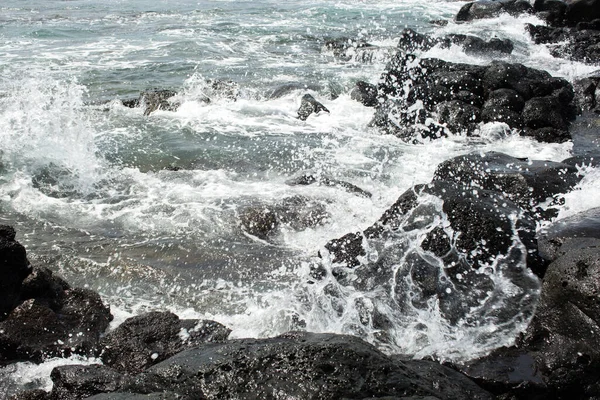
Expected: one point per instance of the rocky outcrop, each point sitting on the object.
(430, 98)
(558, 356)
(148, 339)
(43, 316)
(295, 365)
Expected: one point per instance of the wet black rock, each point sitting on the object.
(365, 93)
(74, 382)
(552, 11)
(147, 339)
(287, 88)
(432, 98)
(14, 269)
(492, 8)
(35, 331)
(308, 106)
(579, 44)
(582, 11)
(558, 356)
(299, 365)
(35, 394)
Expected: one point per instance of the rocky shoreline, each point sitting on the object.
(491, 205)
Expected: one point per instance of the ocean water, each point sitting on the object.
(146, 209)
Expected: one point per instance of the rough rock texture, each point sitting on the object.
(296, 212)
(587, 93)
(35, 331)
(74, 382)
(581, 43)
(45, 316)
(299, 366)
(430, 98)
(147, 339)
(558, 357)
(14, 269)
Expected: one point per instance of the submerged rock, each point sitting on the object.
(152, 100)
(308, 106)
(309, 179)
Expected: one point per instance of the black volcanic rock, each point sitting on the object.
(14, 269)
(295, 212)
(433, 98)
(302, 366)
(34, 331)
(148, 339)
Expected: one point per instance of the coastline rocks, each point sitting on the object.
(298, 365)
(411, 41)
(558, 356)
(479, 211)
(148, 339)
(34, 331)
(365, 93)
(578, 44)
(43, 316)
(431, 98)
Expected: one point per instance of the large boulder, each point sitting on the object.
(37, 329)
(147, 339)
(582, 11)
(430, 98)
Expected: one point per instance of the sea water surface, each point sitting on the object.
(145, 209)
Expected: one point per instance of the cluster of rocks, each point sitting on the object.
(573, 29)
(431, 98)
(158, 355)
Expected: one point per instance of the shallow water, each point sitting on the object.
(145, 209)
